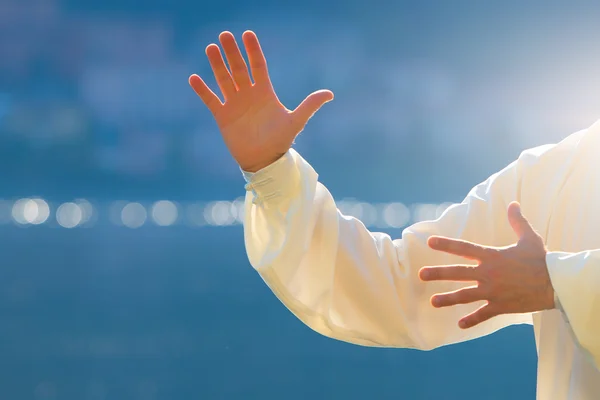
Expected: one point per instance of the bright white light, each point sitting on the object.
(365, 212)
(69, 215)
(18, 211)
(133, 215)
(238, 209)
(346, 206)
(369, 214)
(87, 211)
(164, 213)
(36, 211)
(81, 212)
(30, 211)
(355, 210)
(425, 212)
(396, 215)
(195, 214)
(220, 213)
(43, 211)
(208, 213)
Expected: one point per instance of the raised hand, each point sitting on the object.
(256, 127)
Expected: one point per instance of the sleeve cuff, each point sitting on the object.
(557, 275)
(276, 181)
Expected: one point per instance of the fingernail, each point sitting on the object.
(436, 301)
(462, 324)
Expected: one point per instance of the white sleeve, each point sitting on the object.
(358, 286)
(576, 281)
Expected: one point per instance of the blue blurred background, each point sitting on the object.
(122, 268)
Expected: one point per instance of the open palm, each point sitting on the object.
(256, 127)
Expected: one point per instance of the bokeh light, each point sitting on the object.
(164, 213)
(18, 211)
(195, 214)
(88, 214)
(218, 213)
(133, 215)
(396, 215)
(69, 215)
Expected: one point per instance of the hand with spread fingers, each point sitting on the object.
(511, 279)
(256, 127)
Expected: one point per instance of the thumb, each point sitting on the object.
(517, 220)
(310, 106)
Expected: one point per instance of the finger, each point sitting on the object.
(222, 75)
(461, 296)
(310, 106)
(482, 314)
(458, 247)
(457, 273)
(239, 69)
(210, 99)
(518, 222)
(256, 57)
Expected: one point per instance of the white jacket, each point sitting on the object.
(351, 284)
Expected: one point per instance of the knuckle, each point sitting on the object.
(492, 271)
(460, 297)
(239, 67)
(454, 298)
(483, 269)
(470, 272)
(473, 294)
(455, 245)
(492, 253)
(491, 309)
(485, 291)
(452, 272)
(474, 270)
(221, 75)
(489, 313)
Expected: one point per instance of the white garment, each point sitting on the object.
(362, 287)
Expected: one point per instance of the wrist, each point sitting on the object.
(254, 168)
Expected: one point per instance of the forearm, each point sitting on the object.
(293, 239)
